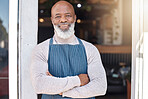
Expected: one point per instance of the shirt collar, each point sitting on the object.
(59, 40)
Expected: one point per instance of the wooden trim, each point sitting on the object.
(114, 49)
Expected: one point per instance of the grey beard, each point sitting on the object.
(66, 33)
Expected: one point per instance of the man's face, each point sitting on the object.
(63, 16)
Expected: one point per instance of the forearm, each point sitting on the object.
(53, 85)
(95, 87)
(44, 84)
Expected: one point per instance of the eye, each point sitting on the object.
(57, 17)
(68, 16)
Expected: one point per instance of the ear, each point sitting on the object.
(75, 18)
(51, 19)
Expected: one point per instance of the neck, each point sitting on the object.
(64, 41)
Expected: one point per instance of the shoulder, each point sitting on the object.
(93, 54)
(42, 46)
(88, 45)
(44, 43)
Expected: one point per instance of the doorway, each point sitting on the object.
(108, 25)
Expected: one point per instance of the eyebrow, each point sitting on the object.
(57, 14)
(67, 13)
(60, 14)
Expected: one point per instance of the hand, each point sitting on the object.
(84, 79)
(60, 93)
(48, 73)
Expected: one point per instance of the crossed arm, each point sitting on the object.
(84, 79)
(81, 86)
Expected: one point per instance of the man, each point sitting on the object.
(65, 66)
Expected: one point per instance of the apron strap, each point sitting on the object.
(80, 42)
(51, 41)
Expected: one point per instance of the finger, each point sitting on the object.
(60, 94)
(48, 73)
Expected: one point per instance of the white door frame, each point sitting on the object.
(28, 30)
(135, 49)
(139, 49)
(20, 86)
(13, 10)
(145, 51)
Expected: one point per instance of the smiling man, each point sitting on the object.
(64, 66)
(63, 19)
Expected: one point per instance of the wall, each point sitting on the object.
(127, 22)
(28, 25)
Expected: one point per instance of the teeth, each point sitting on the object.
(65, 25)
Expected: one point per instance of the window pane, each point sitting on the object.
(4, 21)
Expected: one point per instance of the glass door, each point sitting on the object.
(4, 22)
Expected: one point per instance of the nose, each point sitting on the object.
(63, 19)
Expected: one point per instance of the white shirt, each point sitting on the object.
(69, 86)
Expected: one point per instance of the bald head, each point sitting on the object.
(62, 5)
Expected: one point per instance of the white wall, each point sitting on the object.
(28, 25)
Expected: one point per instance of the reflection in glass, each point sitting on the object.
(4, 20)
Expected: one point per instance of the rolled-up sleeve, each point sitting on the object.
(98, 83)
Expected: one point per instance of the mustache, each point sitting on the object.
(64, 24)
